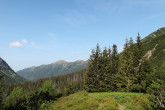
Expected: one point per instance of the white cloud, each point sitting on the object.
(24, 41)
(16, 44)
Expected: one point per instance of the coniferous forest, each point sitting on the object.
(130, 71)
(127, 72)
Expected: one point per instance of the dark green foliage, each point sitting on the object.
(20, 99)
(145, 74)
(47, 105)
(101, 67)
(115, 60)
(70, 89)
(15, 99)
(128, 71)
(94, 66)
(40, 94)
(157, 91)
(74, 80)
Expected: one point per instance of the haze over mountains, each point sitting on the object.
(9, 76)
(57, 68)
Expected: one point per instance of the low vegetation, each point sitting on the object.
(103, 101)
(19, 99)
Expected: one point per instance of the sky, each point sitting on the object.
(36, 32)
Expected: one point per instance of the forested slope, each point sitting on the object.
(9, 76)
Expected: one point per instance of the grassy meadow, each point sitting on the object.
(103, 101)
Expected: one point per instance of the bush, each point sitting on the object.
(141, 102)
(15, 99)
(47, 105)
(38, 99)
(157, 91)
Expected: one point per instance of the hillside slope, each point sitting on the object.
(58, 68)
(9, 76)
(156, 42)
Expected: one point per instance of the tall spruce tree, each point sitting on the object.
(138, 51)
(140, 64)
(126, 70)
(113, 68)
(115, 59)
(109, 72)
(104, 71)
(93, 71)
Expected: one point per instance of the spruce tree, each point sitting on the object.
(93, 71)
(146, 72)
(138, 40)
(109, 73)
(138, 51)
(109, 52)
(126, 70)
(103, 74)
(115, 59)
(113, 68)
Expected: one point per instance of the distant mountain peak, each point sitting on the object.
(79, 60)
(60, 61)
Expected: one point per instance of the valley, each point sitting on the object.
(130, 80)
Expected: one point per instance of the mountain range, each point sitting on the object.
(9, 76)
(58, 68)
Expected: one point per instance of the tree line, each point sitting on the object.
(39, 95)
(110, 71)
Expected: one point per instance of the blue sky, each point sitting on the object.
(35, 32)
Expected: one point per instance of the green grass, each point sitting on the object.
(103, 101)
(117, 95)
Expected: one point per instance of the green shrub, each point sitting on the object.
(46, 106)
(125, 100)
(157, 91)
(15, 100)
(141, 102)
